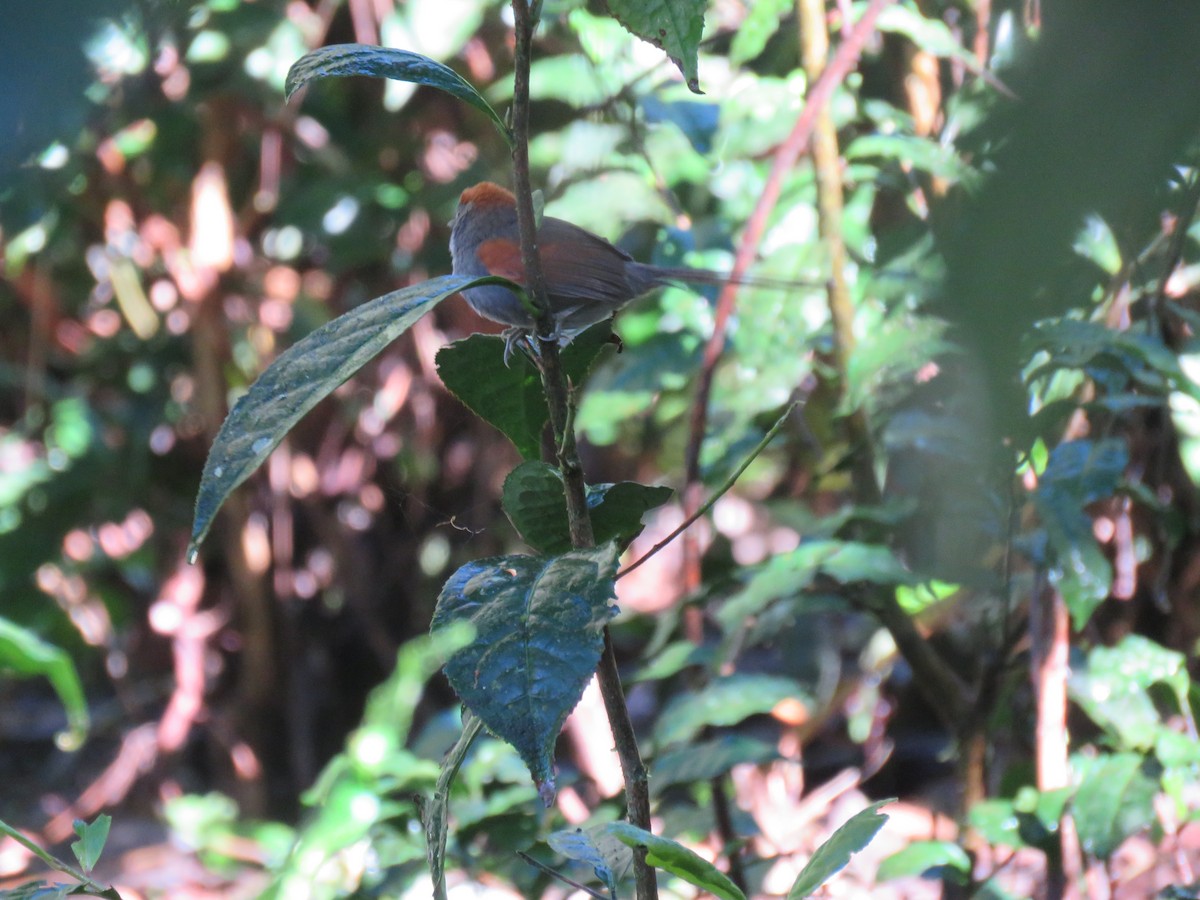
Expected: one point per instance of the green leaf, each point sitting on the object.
(509, 395)
(1079, 473)
(345, 799)
(23, 652)
(596, 846)
(788, 574)
(385, 62)
(762, 21)
(927, 859)
(1114, 687)
(998, 822)
(677, 859)
(726, 701)
(930, 34)
(673, 658)
(301, 377)
(617, 509)
(693, 763)
(538, 623)
(920, 153)
(831, 857)
(535, 502)
(1112, 358)
(1114, 801)
(92, 837)
(671, 25)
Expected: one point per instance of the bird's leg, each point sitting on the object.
(517, 336)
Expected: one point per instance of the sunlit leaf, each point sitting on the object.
(726, 701)
(930, 34)
(23, 652)
(833, 855)
(762, 20)
(677, 859)
(386, 62)
(923, 154)
(1113, 689)
(1114, 801)
(672, 25)
(928, 859)
(301, 377)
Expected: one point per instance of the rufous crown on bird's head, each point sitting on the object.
(486, 194)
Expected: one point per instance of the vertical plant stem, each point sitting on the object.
(814, 51)
(935, 679)
(554, 382)
(1050, 632)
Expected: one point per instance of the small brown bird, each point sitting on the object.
(587, 278)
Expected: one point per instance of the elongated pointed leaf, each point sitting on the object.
(385, 62)
(936, 859)
(692, 763)
(302, 376)
(726, 701)
(665, 854)
(538, 623)
(832, 856)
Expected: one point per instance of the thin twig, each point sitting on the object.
(49, 859)
(554, 873)
(716, 495)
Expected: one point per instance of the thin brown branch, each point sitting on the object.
(715, 496)
(786, 156)
(554, 382)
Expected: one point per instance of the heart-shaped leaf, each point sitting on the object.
(538, 622)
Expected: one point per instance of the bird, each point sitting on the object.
(587, 279)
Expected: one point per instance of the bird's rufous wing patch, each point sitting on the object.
(502, 257)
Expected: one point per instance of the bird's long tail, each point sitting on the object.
(645, 277)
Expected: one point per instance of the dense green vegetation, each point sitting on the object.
(945, 480)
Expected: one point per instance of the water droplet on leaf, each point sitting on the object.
(260, 445)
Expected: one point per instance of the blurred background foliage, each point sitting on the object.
(167, 225)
